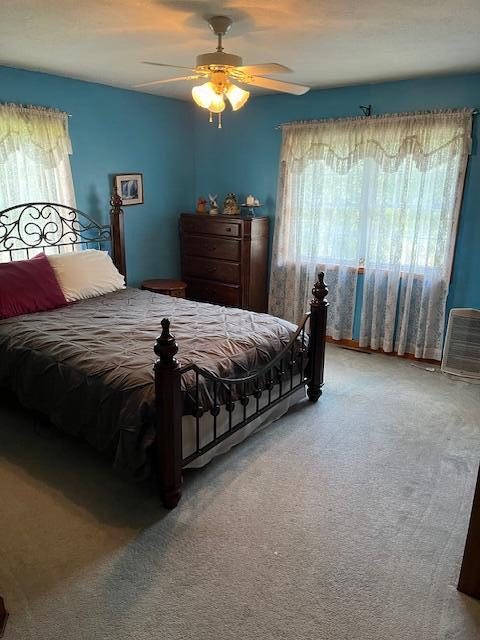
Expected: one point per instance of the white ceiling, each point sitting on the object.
(325, 42)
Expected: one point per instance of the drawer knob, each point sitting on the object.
(228, 229)
(211, 269)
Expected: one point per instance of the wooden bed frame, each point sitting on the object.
(299, 364)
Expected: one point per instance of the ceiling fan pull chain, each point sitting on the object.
(220, 120)
(210, 117)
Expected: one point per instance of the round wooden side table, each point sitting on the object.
(174, 288)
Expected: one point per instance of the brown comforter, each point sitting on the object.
(88, 366)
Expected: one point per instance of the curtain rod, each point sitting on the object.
(367, 113)
(35, 106)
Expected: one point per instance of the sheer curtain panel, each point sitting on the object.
(316, 228)
(381, 193)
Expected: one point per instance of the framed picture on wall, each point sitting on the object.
(130, 188)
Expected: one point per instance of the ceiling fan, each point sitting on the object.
(220, 68)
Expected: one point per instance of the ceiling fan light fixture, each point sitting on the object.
(207, 98)
(236, 96)
(202, 94)
(217, 105)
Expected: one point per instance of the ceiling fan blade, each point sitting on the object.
(172, 66)
(264, 69)
(153, 82)
(279, 85)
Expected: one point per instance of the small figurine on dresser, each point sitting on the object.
(213, 204)
(251, 203)
(201, 205)
(230, 205)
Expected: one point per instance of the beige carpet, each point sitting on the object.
(344, 520)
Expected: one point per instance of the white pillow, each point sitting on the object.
(86, 274)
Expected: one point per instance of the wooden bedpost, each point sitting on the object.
(469, 581)
(316, 345)
(168, 399)
(118, 238)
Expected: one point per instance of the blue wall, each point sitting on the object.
(117, 131)
(182, 156)
(243, 156)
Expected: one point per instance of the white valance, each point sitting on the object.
(430, 137)
(41, 134)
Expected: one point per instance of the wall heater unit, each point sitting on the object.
(461, 355)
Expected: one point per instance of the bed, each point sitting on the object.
(156, 405)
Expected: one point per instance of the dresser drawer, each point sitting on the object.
(211, 247)
(210, 269)
(212, 227)
(214, 292)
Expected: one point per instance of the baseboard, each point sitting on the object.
(353, 344)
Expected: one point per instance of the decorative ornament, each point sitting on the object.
(251, 203)
(213, 204)
(201, 205)
(230, 205)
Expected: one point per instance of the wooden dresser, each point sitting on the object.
(225, 259)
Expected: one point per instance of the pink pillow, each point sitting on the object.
(27, 286)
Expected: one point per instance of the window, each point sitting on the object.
(357, 207)
(382, 192)
(34, 167)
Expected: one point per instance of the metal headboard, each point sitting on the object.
(43, 225)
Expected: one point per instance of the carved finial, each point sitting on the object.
(319, 291)
(115, 201)
(166, 347)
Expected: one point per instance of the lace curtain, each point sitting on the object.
(315, 230)
(383, 192)
(34, 159)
